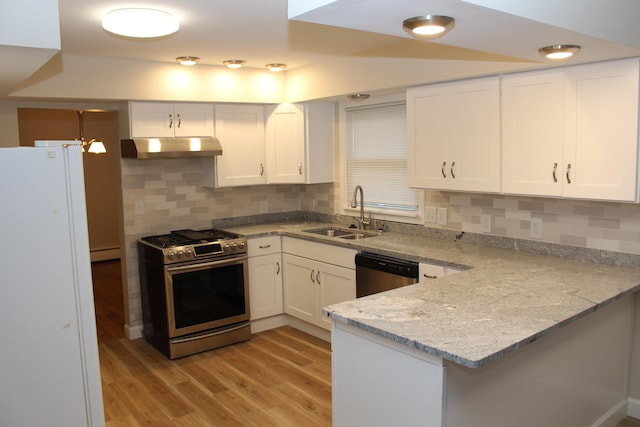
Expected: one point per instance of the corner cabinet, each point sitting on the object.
(165, 119)
(265, 277)
(572, 132)
(240, 129)
(299, 143)
(453, 133)
(317, 275)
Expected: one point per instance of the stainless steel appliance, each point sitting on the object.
(195, 292)
(378, 273)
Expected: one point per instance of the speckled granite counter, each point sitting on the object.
(503, 300)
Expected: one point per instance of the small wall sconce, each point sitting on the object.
(559, 51)
(428, 26)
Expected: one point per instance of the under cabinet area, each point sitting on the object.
(316, 275)
(166, 119)
(572, 132)
(453, 133)
(265, 277)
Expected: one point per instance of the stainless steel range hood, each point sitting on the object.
(170, 148)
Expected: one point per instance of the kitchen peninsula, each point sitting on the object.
(515, 339)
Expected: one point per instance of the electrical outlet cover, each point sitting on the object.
(442, 216)
(536, 228)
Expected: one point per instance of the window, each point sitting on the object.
(376, 158)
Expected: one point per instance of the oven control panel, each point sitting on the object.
(204, 250)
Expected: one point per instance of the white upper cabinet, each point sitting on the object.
(240, 129)
(299, 143)
(164, 119)
(572, 132)
(453, 132)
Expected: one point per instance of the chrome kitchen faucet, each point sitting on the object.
(361, 221)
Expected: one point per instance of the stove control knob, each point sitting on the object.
(180, 254)
(188, 253)
(242, 245)
(226, 248)
(234, 246)
(171, 255)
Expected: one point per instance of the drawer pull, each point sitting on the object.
(278, 270)
(568, 172)
(555, 167)
(312, 271)
(429, 276)
(318, 277)
(453, 171)
(264, 246)
(444, 165)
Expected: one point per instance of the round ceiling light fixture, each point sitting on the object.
(188, 60)
(233, 63)
(559, 51)
(276, 67)
(140, 23)
(428, 26)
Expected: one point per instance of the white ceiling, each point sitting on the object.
(259, 32)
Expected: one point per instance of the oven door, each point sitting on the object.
(206, 295)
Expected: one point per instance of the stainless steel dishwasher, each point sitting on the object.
(378, 273)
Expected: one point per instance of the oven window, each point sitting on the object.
(207, 295)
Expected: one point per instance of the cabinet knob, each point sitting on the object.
(444, 165)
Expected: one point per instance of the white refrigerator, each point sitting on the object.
(49, 366)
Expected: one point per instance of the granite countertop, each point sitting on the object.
(503, 300)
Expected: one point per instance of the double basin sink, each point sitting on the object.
(341, 233)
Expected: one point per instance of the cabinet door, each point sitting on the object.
(532, 133)
(194, 119)
(265, 286)
(240, 129)
(336, 284)
(285, 143)
(475, 152)
(152, 119)
(601, 138)
(429, 137)
(300, 287)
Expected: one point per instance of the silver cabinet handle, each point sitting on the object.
(568, 171)
(312, 271)
(318, 277)
(179, 120)
(300, 168)
(453, 173)
(444, 165)
(555, 167)
(170, 121)
(264, 246)
(261, 169)
(278, 268)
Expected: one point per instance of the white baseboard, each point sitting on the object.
(613, 416)
(633, 408)
(133, 333)
(272, 322)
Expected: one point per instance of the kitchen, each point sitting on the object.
(591, 222)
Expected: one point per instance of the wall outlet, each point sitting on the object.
(139, 207)
(485, 223)
(264, 206)
(430, 215)
(442, 216)
(536, 228)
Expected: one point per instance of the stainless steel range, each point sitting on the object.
(195, 293)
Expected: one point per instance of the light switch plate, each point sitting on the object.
(139, 207)
(442, 216)
(430, 215)
(536, 228)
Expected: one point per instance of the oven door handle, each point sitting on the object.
(221, 263)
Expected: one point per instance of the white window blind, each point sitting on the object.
(376, 148)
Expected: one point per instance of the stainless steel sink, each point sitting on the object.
(349, 234)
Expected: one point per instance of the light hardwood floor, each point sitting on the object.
(279, 378)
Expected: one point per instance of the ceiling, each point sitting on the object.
(259, 32)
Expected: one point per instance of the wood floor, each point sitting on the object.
(279, 378)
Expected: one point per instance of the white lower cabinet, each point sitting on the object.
(431, 271)
(265, 277)
(317, 276)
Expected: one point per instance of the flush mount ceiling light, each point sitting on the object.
(428, 26)
(358, 96)
(233, 63)
(559, 51)
(188, 60)
(140, 23)
(276, 67)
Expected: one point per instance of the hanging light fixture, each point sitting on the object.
(559, 51)
(94, 146)
(140, 22)
(428, 26)
(233, 63)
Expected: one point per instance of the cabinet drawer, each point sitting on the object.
(330, 254)
(264, 245)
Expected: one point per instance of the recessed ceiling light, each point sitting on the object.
(276, 67)
(559, 51)
(233, 63)
(140, 22)
(428, 26)
(358, 96)
(188, 60)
